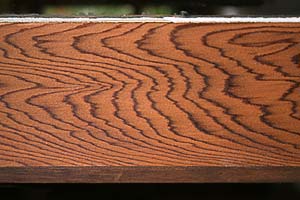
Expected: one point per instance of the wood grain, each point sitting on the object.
(136, 97)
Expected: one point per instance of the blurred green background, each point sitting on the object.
(150, 7)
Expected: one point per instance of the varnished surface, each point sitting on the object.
(208, 102)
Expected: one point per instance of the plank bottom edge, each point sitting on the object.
(148, 174)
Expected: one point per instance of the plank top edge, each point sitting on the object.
(24, 19)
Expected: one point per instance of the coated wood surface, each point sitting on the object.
(110, 96)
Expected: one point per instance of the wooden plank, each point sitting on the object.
(149, 102)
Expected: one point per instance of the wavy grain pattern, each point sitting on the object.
(149, 94)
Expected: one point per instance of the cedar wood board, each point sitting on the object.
(149, 100)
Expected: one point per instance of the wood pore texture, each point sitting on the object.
(149, 102)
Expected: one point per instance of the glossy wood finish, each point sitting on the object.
(135, 98)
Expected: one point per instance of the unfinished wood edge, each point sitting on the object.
(149, 174)
(151, 19)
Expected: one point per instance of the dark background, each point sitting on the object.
(150, 191)
(150, 7)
